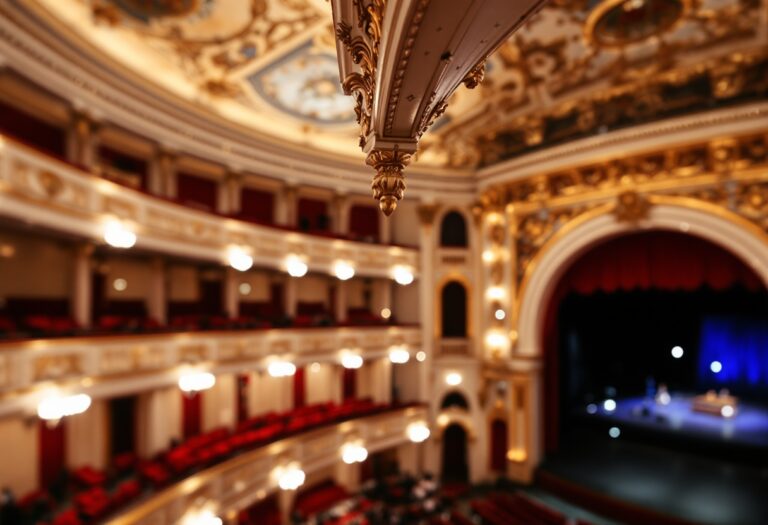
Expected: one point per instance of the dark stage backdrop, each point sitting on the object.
(740, 345)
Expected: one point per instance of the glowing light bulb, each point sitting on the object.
(351, 360)
(716, 367)
(453, 379)
(239, 259)
(281, 369)
(399, 355)
(56, 407)
(196, 381)
(499, 314)
(295, 266)
(418, 432)
(402, 275)
(677, 352)
(343, 270)
(118, 236)
(609, 405)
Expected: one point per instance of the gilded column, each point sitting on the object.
(162, 174)
(427, 214)
(229, 193)
(157, 300)
(81, 296)
(82, 140)
(340, 208)
(286, 213)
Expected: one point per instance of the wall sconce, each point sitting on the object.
(343, 270)
(281, 369)
(353, 453)
(295, 266)
(418, 432)
(196, 382)
(239, 259)
(56, 407)
(290, 477)
(402, 275)
(399, 355)
(351, 360)
(117, 235)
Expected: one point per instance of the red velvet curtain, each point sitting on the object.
(364, 222)
(349, 384)
(499, 445)
(299, 389)
(52, 452)
(198, 192)
(649, 260)
(257, 205)
(192, 414)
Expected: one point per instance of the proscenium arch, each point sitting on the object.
(699, 218)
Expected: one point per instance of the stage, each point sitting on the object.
(747, 427)
(641, 484)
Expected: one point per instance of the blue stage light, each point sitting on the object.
(716, 367)
(614, 432)
(591, 408)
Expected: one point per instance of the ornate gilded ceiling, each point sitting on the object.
(578, 68)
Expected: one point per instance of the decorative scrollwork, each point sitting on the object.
(389, 184)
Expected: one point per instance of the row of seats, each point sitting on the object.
(44, 326)
(92, 499)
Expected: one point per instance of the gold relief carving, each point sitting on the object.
(151, 357)
(389, 184)
(122, 209)
(118, 360)
(631, 207)
(192, 353)
(51, 183)
(475, 75)
(5, 372)
(427, 213)
(56, 367)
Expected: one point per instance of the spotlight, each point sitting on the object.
(196, 381)
(453, 379)
(343, 270)
(239, 259)
(118, 236)
(677, 352)
(295, 266)
(402, 275)
(399, 355)
(614, 432)
(499, 314)
(281, 369)
(591, 408)
(716, 367)
(418, 432)
(727, 411)
(609, 405)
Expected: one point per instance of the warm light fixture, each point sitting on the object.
(417, 432)
(495, 293)
(386, 313)
(196, 381)
(290, 477)
(295, 266)
(117, 235)
(453, 379)
(399, 355)
(495, 339)
(499, 314)
(353, 453)
(244, 288)
(343, 270)
(120, 284)
(314, 367)
(239, 259)
(421, 355)
(205, 517)
(489, 256)
(56, 407)
(402, 275)
(351, 360)
(281, 369)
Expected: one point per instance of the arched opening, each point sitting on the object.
(610, 327)
(455, 466)
(453, 230)
(454, 400)
(454, 310)
(498, 447)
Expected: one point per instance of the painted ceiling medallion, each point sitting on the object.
(622, 22)
(148, 9)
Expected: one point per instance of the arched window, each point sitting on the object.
(454, 399)
(454, 310)
(453, 230)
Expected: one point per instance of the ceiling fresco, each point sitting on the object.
(578, 68)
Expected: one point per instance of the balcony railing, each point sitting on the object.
(53, 194)
(244, 479)
(108, 365)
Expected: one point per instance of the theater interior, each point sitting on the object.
(383, 262)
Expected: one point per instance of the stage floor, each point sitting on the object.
(749, 426)
(695, 489)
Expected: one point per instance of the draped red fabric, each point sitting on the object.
(649, 260)
(498, 445)
(299, 388)
(257, 205)
(195, 191)
(313, 215)
(192, 414)
(52, 443)
(364, 222)
(349, 384)
(659, 260)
